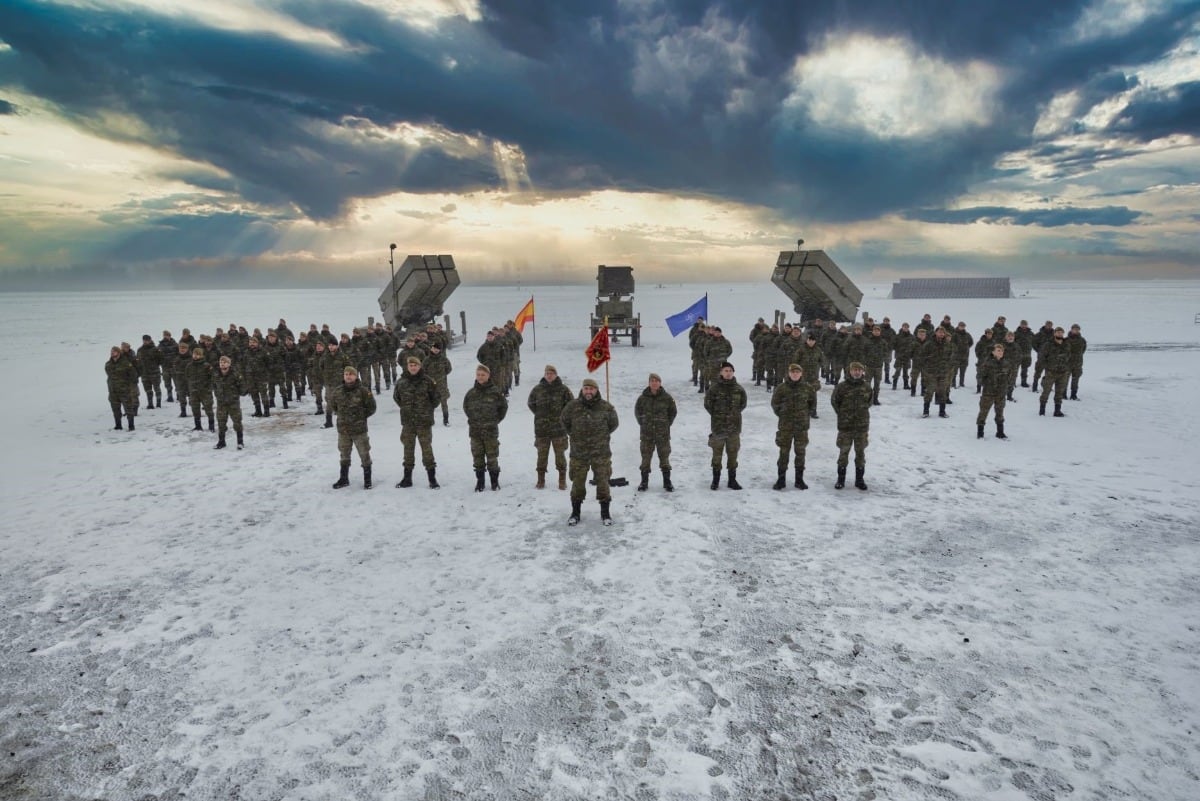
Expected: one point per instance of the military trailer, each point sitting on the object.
(417, 293)
(614, 302)
(817, 287)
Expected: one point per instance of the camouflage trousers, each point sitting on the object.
(152, 383)
(986, 403)
(859, 440)
(1038, 368)
(543, 445)
(226, 412)
(360, 442)
(961, 372)
(278, 381)
(601, 469)
(256, 388)
(789, 440)
(935, 382)
(377, 370)
(443, 387)
(1026, 360)
(295, 383)
(201, 399)
(661, 444)
(727, 444)
(122, 408)
(1059, 383)
(181, 386)
(900, 369)
(1076, 372)
(316, 386)
(875, 374)
(485, 447)
(409, 437)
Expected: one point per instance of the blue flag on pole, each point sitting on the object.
(678, 323)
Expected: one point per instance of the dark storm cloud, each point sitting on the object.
(595, 94)
(1043, 218)
(195, 237)
(1162, 113)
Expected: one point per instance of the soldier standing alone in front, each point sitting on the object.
(589, 421)
(352, 403)
(851, 402)
(655, 412)
(724, 401)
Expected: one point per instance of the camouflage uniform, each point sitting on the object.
(995, 377)
(375, 354)
(724, 402)
(655, 412)
(199, 381)
(437, 366)
(1024, 337)
(1040, 338)
(963, 342)
(228, 386)
(695, 333)
(149, 359)
(983, 349)
(1056, 357)
(876, 357)
(920, 340)
(851, 401)
(293, 370)
(484, 406)
(417, 396)
(589, 423)
(254, 370)
(854, 350)
(793, 403)
(902, 347)
(353, 403)
(491, 354)
(333, 367)
(717, 349)
(276, 376)
(1078, 346)
(316, 377)
(758, 358)
(937, 360)
(121, 375)
(811, 359)
(889, 336)
(168, 351)
(547, 400)
(516, 339)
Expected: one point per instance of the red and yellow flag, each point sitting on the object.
(598, 352)
(525, 315)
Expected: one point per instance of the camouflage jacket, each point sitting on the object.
(353, 404)
(293, 359)
(122, 378)
(199, 376)
(793, 402)
(417, 396)
(994, 374)
(254, 365)
(877, 351)
(855, 349)
(938, 357)
(718, 350)
(851, 400)
(149, 358)
(437, 366)
(547, 400)
(983, 348)
(273, 358)
(228, 387)
(491, 354)
(963, 341)
(485, 406)
(655, 412)
(1077, 345)
(724, 402)
(1056, 357)
(902, 345)
(810, 360)
(1025, 336)
(589, 424)
(333, 365)
(1041, 337)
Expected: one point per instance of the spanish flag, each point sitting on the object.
(525, 315)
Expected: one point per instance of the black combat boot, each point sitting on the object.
(212, 423)
(406, 482)
(978, 388)
(240, 444)
(1042, 409)
(344, 478)
(320, 407)
(1073, 395)
(432, 473)
(1034, 385)
(170, 395)
(716, 482)
(285, 400)
(781, 481)
(800, 478)
(182, 408)
(446, 418)
(1009, 396)
(875, 399)
(575, 506)
(479, 481)
(841, 481)
(812, 412)
(129, 420)
(257, 409)
(858, 478)
(942, 409)
(667, 485)
(220, 442)
(366, 472)
(541, 480)
(197, 427)
(979, 431)
(328, 419)
(117, 419)
(1058, 412)
(732, 483)
(645, 485)
(925, 413)
(1000, 430)
(913, 390)
(266, 410)
(494, 475)
(605, 517)
(896, 381)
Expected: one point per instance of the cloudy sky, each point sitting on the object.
(294, 140)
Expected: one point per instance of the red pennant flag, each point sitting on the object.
(597, 352)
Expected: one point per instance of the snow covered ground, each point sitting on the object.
(991, 620)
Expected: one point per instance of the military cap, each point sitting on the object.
(550, 368)
(350, 369)
(590, 382)
(414, 360)
(857, 366)
(655, 377)
(726, 364)
(795, 367)
(484, 368)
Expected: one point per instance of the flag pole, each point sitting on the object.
(534, 324)
(606, 361)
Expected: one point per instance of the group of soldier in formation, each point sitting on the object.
(792, 361)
